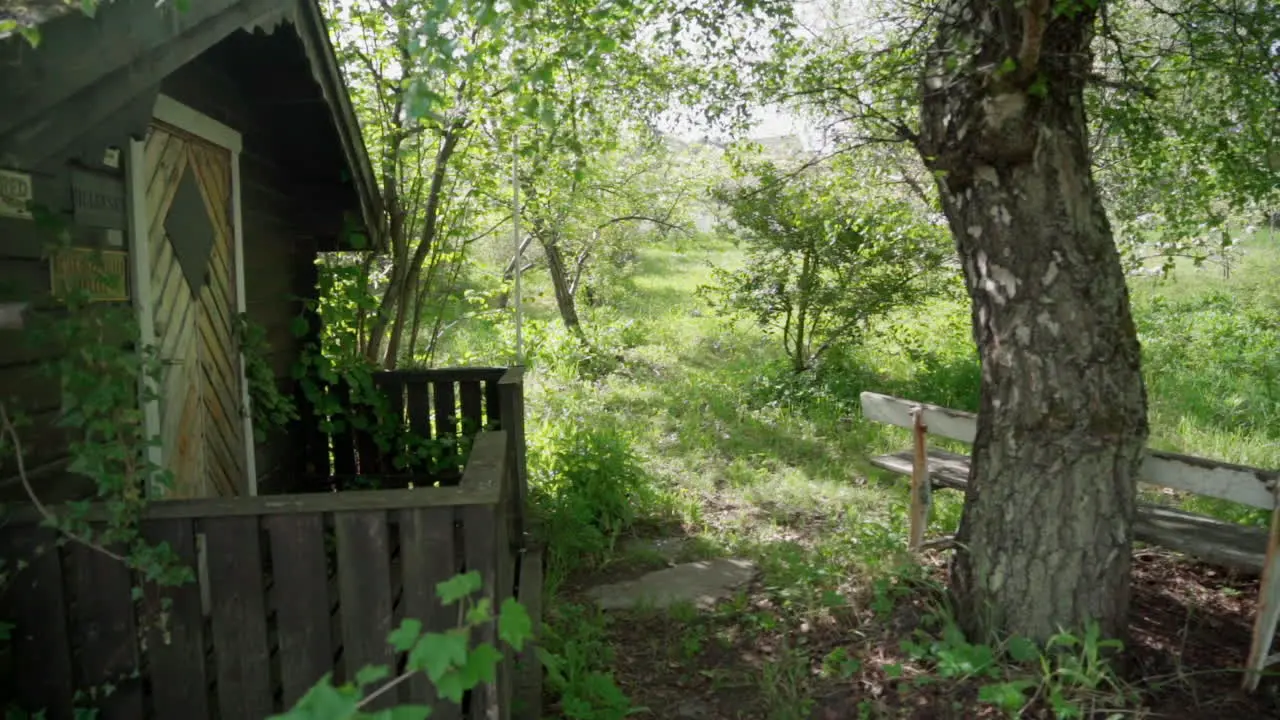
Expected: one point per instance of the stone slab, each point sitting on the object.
(701, 583)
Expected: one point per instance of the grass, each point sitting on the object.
(688, 426)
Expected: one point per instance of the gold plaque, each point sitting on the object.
(102, 274)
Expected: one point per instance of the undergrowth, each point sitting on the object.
(669, 421)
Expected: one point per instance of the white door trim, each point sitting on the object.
(172, 112)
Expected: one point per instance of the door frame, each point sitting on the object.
(187, 119)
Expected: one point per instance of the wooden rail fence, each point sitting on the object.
(289, 587)
(448, 406)
(1212, 540)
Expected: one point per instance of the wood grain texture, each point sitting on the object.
(1215, 541)
(300, 592)
(33, 600)
(176, 646)
(364, 593)
(1210, 478)
(1268, 617)
(526, 695)
(239, 617)
(428, 553)
(201, 429)
(103, 616)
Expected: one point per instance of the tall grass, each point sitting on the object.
(672, 417)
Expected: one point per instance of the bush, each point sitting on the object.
(587, 484)
(825, 258)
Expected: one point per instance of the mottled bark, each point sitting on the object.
(1045, 536)
(560, 283)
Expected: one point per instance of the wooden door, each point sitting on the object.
(193, 299)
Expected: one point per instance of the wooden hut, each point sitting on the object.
(204, 156)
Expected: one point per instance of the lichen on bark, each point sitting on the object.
(1046, 531)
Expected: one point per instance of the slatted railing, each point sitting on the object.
(444, 407)
(289, 587)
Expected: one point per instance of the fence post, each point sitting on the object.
(511, 392)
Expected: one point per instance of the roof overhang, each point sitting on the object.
(117, 78)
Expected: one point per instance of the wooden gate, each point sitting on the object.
(192, 248)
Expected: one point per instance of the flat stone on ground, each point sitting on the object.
(701, 583)
(667, 548)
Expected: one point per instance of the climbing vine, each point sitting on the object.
(338, 381)
(269, 408)
(97, 365)
(447, 658)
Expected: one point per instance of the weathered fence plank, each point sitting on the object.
(103, 617)
(526, 694)
(428, 556)
(301, 598)
(238, 605)
(478, 524)
(256, 632)
(344, 442)
(176, 647)
(364, 593)
(418, 407)
(1204, 537)
(483, 540)
(443, 399)
(1210, 478)
(35, 601)
(472, 401)
(493, 404)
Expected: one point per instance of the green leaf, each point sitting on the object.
(481, 612)
(1022, 650)
(457, 587)
(299, 326)
(1040, 87)
(437, 653)
(323, 701)
(452, 686)
(404, 637)
(514, 624)
(481, 665)
(370, 674)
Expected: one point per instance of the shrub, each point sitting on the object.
(825, 258)
(588, 484)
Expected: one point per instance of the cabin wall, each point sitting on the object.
(294, 200)
(29, 387)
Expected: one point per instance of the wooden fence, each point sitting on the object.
(289, 587)
(442, 408)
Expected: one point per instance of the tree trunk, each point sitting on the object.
(1047, 525)
(560, 282)
(426, 242)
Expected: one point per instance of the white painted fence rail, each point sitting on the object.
(1209, 478)
(1225, 542)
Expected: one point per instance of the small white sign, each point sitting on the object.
(111, 158)
(11, 315)
(15, 193)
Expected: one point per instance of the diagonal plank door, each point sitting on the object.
(193, 298)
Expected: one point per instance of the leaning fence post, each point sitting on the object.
(921, 492)
(511, 392)
(1268, 618)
